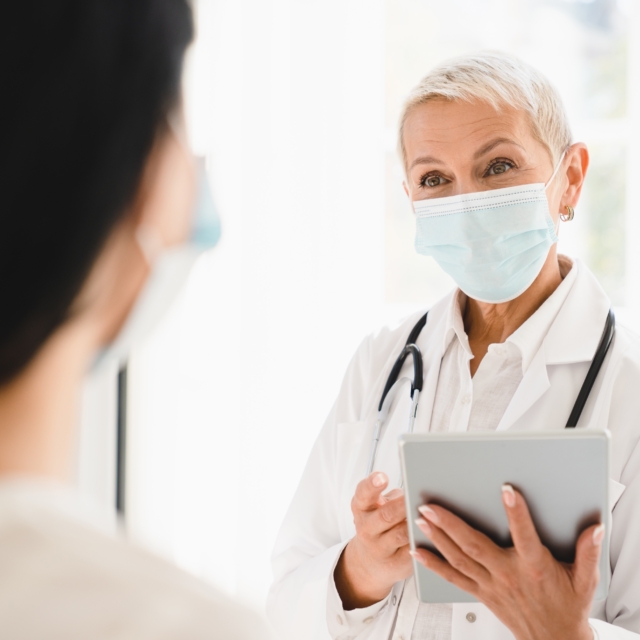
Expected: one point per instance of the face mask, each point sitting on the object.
(492, 243)
(169, 271)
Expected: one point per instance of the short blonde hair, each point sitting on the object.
(499, 79)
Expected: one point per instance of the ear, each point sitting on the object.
(576, 172)
(165, 196)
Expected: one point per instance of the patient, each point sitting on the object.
(95, 184)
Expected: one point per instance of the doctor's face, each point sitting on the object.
(459, 147)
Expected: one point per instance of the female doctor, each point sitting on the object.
(491, 172)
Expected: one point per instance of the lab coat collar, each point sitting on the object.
(576, 332)
(454, 322)
(530, 335)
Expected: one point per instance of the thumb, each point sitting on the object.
(368, 492)
(585, 567)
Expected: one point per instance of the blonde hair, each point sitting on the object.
(499, 79)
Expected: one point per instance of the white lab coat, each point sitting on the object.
(319, 521)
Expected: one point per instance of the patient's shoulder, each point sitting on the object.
(62, 579)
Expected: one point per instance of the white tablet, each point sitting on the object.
(562, 474)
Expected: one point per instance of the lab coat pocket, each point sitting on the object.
(351, 462)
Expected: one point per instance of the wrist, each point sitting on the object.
(356, 585)
(586, 632)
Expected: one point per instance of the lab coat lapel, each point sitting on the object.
(575, 333)
(573, 337)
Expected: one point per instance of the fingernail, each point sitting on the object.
(378, 479)
(598, 534)
(429, 513)
(415, 555)
(508, 495)
(424, 526)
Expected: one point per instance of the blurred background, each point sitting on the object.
(294, 105)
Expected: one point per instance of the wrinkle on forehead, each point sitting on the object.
(440, 125)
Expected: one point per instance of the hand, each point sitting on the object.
(526, 588)
(377, 556)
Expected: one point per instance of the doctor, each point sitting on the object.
(492, 172)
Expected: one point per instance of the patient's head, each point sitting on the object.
(92, 149)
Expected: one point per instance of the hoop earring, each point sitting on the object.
(567, 217)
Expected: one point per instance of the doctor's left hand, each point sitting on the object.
(532, 593)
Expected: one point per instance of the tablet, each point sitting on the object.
(562, 474)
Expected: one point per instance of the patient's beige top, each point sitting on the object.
(66, 575)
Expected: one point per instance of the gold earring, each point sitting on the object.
(567, 217)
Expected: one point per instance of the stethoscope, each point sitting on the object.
(394, 383)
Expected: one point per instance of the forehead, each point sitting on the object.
(445, 127)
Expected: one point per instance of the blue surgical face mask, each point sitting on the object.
(170, 269)
(492, 243)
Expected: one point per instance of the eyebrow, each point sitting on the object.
(478, 154)
(493, 144)
(425, 160)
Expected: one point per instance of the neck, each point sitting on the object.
(487, 324)
(38, 408)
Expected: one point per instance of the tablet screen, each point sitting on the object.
(563, 475)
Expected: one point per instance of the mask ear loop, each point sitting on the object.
(147, 238)
(555, 171)
(556, 226)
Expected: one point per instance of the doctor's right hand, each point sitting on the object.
(377, 556)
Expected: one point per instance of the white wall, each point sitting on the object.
(285, 98)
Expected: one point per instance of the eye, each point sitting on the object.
(499, 166)
(431, 180)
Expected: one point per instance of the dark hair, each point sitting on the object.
(86, 87)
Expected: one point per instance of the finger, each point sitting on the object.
(368, 492)
(473, 543)
(523, 532)
(396, 537)
(585, 568)
(452, 553)
(387, 516)
(393, 494)
(393, 510)
(445, 570)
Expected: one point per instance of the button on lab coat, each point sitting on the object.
(319, 521)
